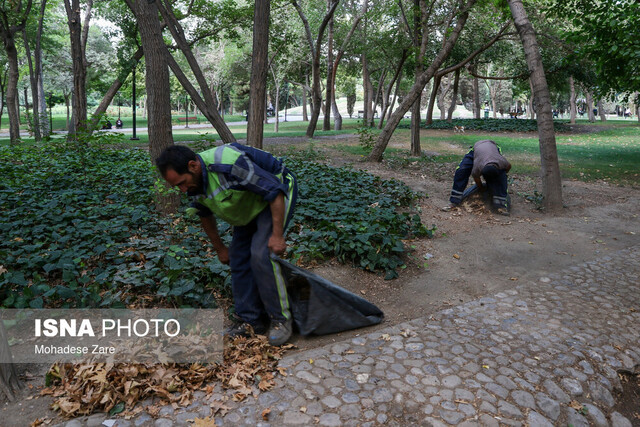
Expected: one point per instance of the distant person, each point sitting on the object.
(107, 124)
(118, 123)
(483, 160)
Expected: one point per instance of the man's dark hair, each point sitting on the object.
(176, 157)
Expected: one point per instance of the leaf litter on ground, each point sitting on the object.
(249, 366)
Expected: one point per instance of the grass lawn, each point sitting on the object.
(605, 151)
(610, 153)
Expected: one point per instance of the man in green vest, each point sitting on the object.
(256, 194)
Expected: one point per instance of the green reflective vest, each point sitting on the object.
(237, 207)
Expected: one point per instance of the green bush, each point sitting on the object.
(491, 125)
(79, 228)
(354, 216)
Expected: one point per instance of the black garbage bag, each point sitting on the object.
(320, 307)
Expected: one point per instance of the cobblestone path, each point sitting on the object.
(542, 354)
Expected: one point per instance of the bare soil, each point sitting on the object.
(474, 252)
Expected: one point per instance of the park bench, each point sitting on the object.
(514, 115)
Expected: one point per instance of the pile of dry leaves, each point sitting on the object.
(249, 366)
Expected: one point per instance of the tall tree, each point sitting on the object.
(40, 124)
(78, 33)
(315, 50)
(259, 69)
(13, 18)
(452, 33)
(157, 85)
(550, 170)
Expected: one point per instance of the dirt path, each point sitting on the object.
(476, 253)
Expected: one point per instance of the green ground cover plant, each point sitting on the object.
(80, 230)
(493, 125)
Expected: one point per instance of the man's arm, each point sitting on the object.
(277, 244)
(478, 181)
(210, 227)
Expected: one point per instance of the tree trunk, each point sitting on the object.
(337, 117)
(387, 93)
(33, 81)
(573, 110)
(12, 90)
(305, 115)
(12, 21)
(366, 85)
(276, 125)
(603, 115)
(9, 382)
(315, 49)
(590, 105)
(416, 91)
(442, 95)
(78, 59)
(329, 91)
(454, 96)
(157, 88)
(432, 98)
(551, 181)
(395, 96)
(476, 96)
(419, 38)
(259, 64)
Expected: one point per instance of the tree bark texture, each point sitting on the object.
(9, 382)
(12, 21)
(454, 97)
(573, 110)
(603, 115)
(550, 170)
(476, 97)
(329, 91)
(432, 98)
(590, 105)
(416, 91)
(78, 59)
(259, 68)
(158, 90)
(33, 82)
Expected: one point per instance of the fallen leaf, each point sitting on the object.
(265, 414)
(456, 256)
(204, 422)
(575, 405)
(303, 409)
(513, 278)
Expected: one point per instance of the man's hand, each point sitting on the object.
(223, 255)
(277, 244)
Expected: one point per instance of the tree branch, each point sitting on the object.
(477, 51)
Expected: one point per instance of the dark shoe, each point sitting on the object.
(245, 329)
(279, 332)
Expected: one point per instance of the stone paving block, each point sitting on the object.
(618, 420)
(509, 410)
(595, 415)
(537, 420)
